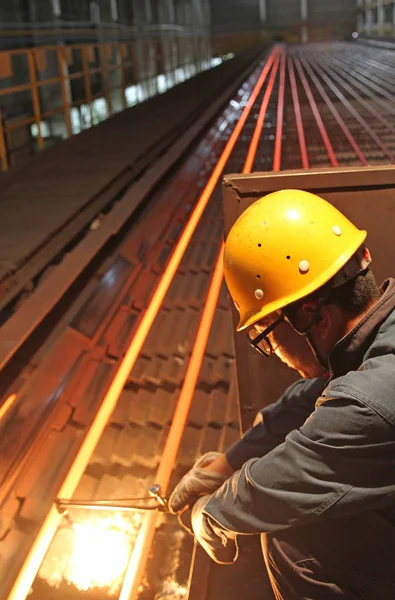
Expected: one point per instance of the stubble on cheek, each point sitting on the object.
(294, 350)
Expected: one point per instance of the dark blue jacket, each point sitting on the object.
(321, 452)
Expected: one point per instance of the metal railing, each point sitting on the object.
(42, 87)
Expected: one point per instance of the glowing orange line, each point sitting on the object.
(147, 530)
(5, 407)
(280, 117)
(298, 115)
(261, 120)
(317, 115)
(191, 377)
(351, 139)
(28, 572)
(146, 533)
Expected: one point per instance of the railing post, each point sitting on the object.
(65, 95)
(122, 56)
(35, 97)
(105, 59)
(154, 66)
(3, 145)
(87, 81)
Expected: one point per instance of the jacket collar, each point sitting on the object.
(347, 355)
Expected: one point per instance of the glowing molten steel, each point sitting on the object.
(100, 553)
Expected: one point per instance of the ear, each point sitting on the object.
(324, 321)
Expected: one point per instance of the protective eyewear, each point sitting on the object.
(261, 341)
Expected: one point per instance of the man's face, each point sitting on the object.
(291, 347)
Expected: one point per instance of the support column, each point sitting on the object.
(116, 76)
(360, 23)
(380, 17)
(171, 43)
(304, 13)
(56, 9)
(139, 10)
(262, 11)
(54, 65)
(360, 17)
(114, 11)
(368, 18)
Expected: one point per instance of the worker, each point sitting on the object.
(315, 476)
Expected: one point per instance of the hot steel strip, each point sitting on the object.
(347, 64)
(298, 115)
(280, 115)
(144, 540)
(333, 75)
(334, 111)
(383, 84)
(352, 84)
(314, 108)
(140, 552)
(252, 150)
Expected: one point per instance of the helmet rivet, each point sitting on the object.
(259, 294)
(304, 266)
(336, 230)
(237, 306)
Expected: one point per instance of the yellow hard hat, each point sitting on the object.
(282, 248)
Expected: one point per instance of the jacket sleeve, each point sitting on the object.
(340, 462)
(278, 420)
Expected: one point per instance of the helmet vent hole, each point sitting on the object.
(258, 276)
(288, 257)
(259, 245)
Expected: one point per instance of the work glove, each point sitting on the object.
(220, 545)
(195, 483)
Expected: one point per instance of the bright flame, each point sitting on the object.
(101, 552)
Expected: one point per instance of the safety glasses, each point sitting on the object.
(260, 341)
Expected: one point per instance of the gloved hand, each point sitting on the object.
(220, 545)
(195, 483)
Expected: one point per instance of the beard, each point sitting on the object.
(308, 368)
